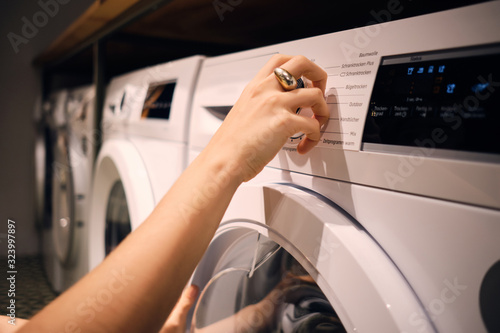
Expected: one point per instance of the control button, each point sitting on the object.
(295, 139)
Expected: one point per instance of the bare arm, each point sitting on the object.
(141, 280)
(7, 325)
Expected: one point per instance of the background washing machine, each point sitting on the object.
(43, 142)
(145, 124)
(40, 151)
(55, 115)
(72, 177)
(395, 215)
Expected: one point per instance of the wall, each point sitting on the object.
(20, 85)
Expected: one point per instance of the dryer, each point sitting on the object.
(145, 125)
(395, 216)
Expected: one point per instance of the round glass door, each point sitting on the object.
(40, 162)
(117, 218)
(257, 286)
(63, 211)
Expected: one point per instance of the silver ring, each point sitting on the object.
(287, 80)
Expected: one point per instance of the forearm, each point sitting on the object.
(9, 325)
(135, 288)
(144, 276)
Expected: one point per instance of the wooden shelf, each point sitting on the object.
(100, 19)
(139, 33)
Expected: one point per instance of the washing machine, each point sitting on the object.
(43, 150)
(42, 141)
(74, 152)
(390, 224)
(40, 155)
(145, 125)
(54, 114)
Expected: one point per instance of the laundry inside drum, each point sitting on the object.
(271, 293)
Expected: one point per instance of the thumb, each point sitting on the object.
(176, 321)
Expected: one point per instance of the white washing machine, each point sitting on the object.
(43, 150)
(145, 124)
(391, 224)
(72, 168)
(55, 116)
(40, 152)
(44, 130)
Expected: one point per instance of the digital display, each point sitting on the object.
(158, 101)
(447, 99)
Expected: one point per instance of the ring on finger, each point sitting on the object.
(286, 80)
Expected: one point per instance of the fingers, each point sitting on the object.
(310, 127)
(276, 61)
(300, 66)
(176, 321)
(268, 113)
(313, 98)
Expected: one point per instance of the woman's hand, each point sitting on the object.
(176, 321)
(264, 116)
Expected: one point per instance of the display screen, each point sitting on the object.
(448, 99)
(159, 101)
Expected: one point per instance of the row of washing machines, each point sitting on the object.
(391, 224)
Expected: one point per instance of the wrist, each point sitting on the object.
(220, 173)
(224, 170)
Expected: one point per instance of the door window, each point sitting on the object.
(117, 218)
(257, 286)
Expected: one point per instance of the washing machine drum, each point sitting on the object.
(305, 309)
(257, 286)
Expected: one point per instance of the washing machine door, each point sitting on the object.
(286, 259)
(117, 223)
(41, 141)
(63, 215)
(122, 197)
(257, 286)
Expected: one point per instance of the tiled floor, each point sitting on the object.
(32, 288)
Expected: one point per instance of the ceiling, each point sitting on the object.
(182, 28)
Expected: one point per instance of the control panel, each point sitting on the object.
(413, 104)
(444, 99)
